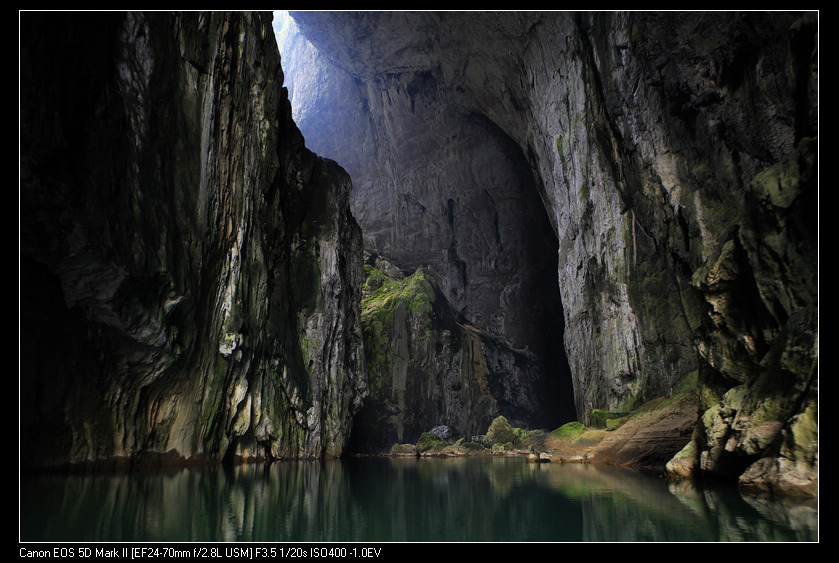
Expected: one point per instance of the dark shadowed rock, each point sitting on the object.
(190, 272)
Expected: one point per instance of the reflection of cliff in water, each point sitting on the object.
(404, 499)
(622, 505)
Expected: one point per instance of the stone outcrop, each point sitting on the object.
(674, 155)
(190, 272)
(426, 365)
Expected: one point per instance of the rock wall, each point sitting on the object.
(675, 157)
(190, 272)
(427, 364)
(637, 191)
(441, 187)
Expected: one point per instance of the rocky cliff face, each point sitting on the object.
(190, 273)
(442, 187)
(635, 192)
(673, 156)
(427, 364)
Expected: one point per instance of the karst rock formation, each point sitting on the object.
(528, 214)
(190, 273)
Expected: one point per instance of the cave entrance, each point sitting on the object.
(454, 194)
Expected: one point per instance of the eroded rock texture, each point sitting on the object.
(441, 186)
(673, 157)
(426, 363)
(190, 273)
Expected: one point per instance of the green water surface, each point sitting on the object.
(483, 499)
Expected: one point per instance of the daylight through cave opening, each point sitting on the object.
(440, 191)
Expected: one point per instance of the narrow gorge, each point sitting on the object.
(248, 237)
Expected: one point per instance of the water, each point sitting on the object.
(487, 499)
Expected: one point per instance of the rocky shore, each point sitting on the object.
(659, 438)
(645, 439)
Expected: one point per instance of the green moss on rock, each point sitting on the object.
(600, 418)
(502, 448)
(614, 423)
(569, 431)
(383, 295)
(500, 432)
(429, 441)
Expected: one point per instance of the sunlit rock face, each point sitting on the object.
(673, 156)
(190, 273)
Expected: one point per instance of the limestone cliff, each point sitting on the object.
(441, 187)
(190, 272)
(633, 194)
(674, 156)
(427, 365)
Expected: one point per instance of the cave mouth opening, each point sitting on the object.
(512, 214)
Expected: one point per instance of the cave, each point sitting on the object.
(475, 220)
(253, 236)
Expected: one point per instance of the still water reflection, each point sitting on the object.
(380, 499)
